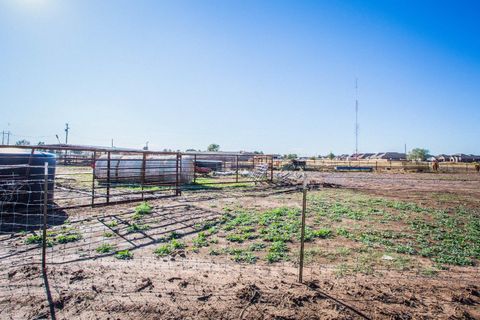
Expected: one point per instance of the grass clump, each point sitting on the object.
(322, 233)
(242, 219)
(242, 234)
(259, 246)
(406, 249)
(311, 234)
(137, 227)
(66, 238)
(277, 252)
(200, 240)
(169, 248)
(124, 255)
(241, 255)
(53, 237)
(143, 208)
(280, 224)
(176, 244)
(104, 248)
(163, 250)
(112, 224)
(34, 239)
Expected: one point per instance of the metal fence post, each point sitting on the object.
(195, 168)
(144, 159)
(108, 176)
(93, 177)
(177, 190)
(302, 235)
(271, 169)
(44, 243)
(236, 166)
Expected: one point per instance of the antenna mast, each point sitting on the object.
(356, 118)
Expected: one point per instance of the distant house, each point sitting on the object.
(364, 156)
(342, 157)
(461, 157)
(360, 156)
(375, 155)
(389, 156)
(443, 158)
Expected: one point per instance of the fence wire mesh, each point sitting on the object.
(162, 259)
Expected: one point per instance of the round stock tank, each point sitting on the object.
(159, 169)
(22, 178)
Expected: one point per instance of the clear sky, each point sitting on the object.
(276, 76)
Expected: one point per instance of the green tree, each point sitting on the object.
(418, 154)
(331, 156)
(213, 147)
(290, 156)
(22, 142)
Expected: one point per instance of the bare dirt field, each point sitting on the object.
(379, 246)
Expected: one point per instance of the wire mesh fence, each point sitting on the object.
(385, 165)
(103, 260)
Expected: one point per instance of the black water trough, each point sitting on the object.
(22, 178)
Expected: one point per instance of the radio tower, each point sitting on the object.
(356, 118)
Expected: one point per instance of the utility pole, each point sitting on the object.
(356, 118)
(112, 142)
(3, 137)
(8, 137)
(66, 132)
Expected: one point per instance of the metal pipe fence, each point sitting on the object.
(91, 176)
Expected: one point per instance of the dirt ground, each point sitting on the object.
(203, 281)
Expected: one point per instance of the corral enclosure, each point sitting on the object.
(89, 176)
(225, 244)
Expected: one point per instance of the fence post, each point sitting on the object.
(108, 176)
(236, 167)
(177, 190)
(44, 243)
(302, 234)
(195, 168)
(93, 177)
(271, 169)
(144, 159)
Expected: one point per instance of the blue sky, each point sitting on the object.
(276, 76)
